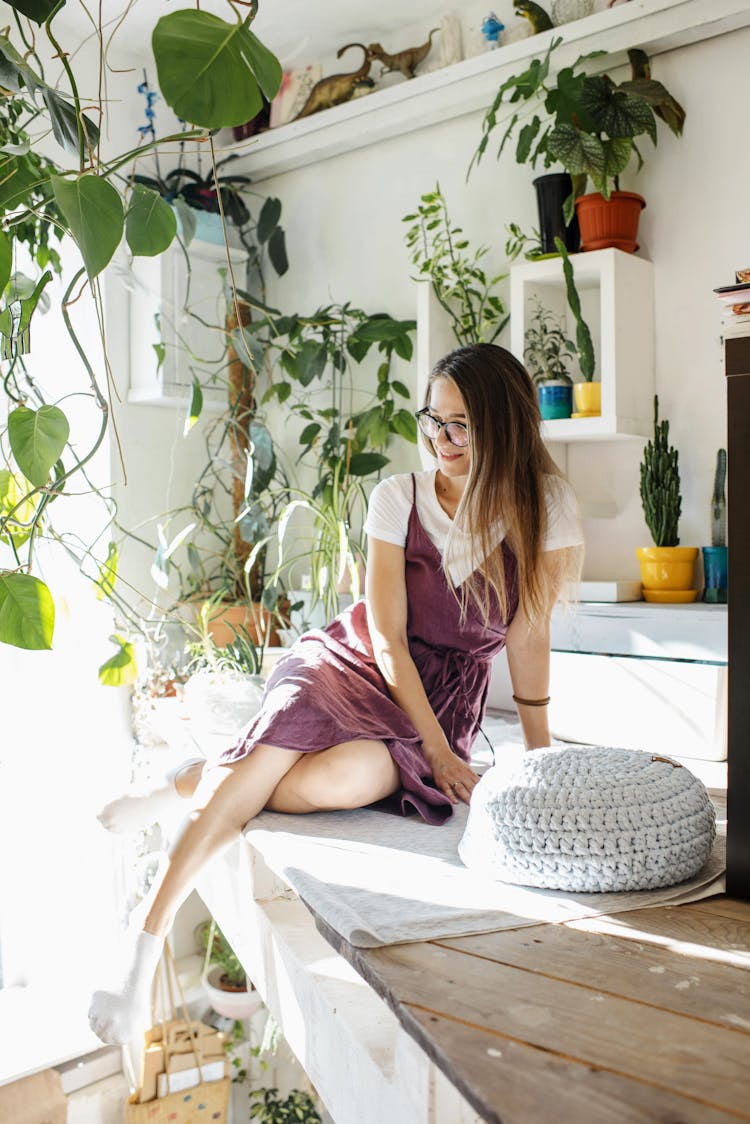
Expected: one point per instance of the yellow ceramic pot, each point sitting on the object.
(667, 567)
(587, 398)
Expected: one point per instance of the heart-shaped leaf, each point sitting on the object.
(150, 224)
(37, 10)
(210, 71)
(93, 210)
(37, 438)
(27, 612)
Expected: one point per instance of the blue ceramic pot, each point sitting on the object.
(555, 400)
(715, 575)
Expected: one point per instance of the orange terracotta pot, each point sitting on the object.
(610, 222)
(253, 618)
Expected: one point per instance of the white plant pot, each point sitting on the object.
(231, 1004)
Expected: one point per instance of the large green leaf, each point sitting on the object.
(18, 177)
(93, 210)
(150, 224)
(27, 611)
(37, 438)
(121, 669)
(579, 153)
(615, 113)
(64, 122)
(268, 220)
(364, 464)
(210, 71)
(37, 10)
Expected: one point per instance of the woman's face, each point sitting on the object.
(447, 405)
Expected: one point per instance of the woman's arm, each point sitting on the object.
(386, 616)
(528, 650)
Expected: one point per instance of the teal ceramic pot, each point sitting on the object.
(715, 575)
(555, 400)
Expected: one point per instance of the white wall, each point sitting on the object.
(345, 237)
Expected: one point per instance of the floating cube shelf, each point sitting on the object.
(617, 301)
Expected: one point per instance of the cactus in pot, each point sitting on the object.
(666, 567)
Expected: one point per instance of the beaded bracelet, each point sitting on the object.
(531, 702)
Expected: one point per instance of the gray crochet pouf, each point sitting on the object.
(589, 819)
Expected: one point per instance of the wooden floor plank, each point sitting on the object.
(512, 1083)
(725, 907)
(649, 974)
(686, 930)
(698, 1060)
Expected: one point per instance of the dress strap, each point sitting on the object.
(413, 489)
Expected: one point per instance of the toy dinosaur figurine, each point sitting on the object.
(534, 13)
(406, 61)
(337, 88)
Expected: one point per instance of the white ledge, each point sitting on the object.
(470, 85)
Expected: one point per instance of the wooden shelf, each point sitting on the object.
(470, 85)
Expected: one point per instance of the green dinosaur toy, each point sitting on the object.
(534, 13)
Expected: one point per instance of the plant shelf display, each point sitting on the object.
(470, 85)
(617, 302)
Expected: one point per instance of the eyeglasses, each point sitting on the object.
(456, 432)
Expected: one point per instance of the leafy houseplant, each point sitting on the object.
(586, 123)
(345, 430)
(438, 250)
(666, 568)
(547, 353)
(296, 1108)
(211, 73)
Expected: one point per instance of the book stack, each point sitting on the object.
(735, 301)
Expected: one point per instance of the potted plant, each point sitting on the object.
(297, 1107)
(224, 979)
(666, 567)
(587, 394)
(715, 556)
(438, 249)
(588, 124)
(344, 427)
(547, 354)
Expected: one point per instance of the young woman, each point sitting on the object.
(382, 706)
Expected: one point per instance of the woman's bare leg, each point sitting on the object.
(226, 798)
(350, 775)
(345, 776)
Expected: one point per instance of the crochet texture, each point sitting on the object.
(589, 819)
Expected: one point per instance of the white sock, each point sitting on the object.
(119, 1014)
(138, 809)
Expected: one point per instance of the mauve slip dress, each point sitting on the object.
(328, 688)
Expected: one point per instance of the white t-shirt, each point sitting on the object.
(390, 505)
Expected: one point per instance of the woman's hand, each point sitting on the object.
(453, 777)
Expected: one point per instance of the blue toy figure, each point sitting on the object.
(491, 28)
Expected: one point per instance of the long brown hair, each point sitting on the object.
(506, 484)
